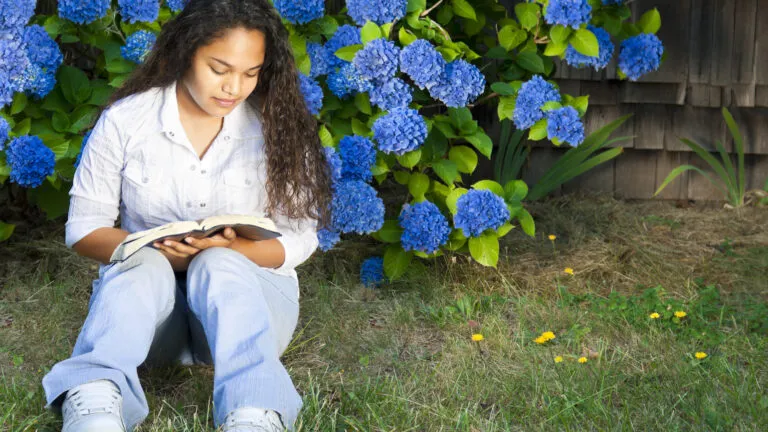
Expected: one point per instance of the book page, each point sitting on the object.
(262, 222)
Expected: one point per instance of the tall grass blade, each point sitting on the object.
(738, 142)
(681, 169)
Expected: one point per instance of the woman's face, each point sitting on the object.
(225, 72)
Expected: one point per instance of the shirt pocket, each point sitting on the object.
(243, 188)
(141, 186)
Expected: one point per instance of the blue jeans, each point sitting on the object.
(224, 310)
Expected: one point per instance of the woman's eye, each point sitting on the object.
(217, 72)
(252, 76)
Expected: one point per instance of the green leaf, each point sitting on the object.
(482, 143)
(510, 37)
(485, 249)
(406, 38)
(683, 168)
(465, 158)
(82, 118)
(380, 167)
(503, 88)
(74, 84)
(560, 33)
(462, 8)
(580, 103)
(418, 185)
(650, 22)
(54, 202)
(359, 128)
(410, 159)
(59, 149)
(527, 14)
(60, 122)
(101, 93)
(120, 66)
(390, 232)
(348, 52)
(118, 80)
(506, 108)
(402, 177)
(325, 136)
(446, 170)
(396, 261)
(19, 103)
(555, 49)
(515, 190)
(416, 5)
(531, 61)
(6, 230)
(538, 131)
(22, 127)
(363, 103)
(526, 222)
(504, 229)
(69, 38)
(551, 105)
(452, 198)
(369, 32)
(298, 44)
(585, 42)
(489, 185)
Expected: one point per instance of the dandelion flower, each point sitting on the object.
(540, 340)
(558, 359)
(477, 337)
(548, 335)
(569, 271)
(700, 355)
(680, 314)
(552, 237)
(582, 359)
(654, 315)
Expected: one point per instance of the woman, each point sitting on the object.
(213, 122)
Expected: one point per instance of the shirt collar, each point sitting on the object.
(242, 122)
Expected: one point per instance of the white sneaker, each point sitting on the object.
(253, 420)
(93, 407)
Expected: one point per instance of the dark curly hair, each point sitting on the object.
(298, 177)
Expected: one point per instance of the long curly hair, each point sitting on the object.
(298, 176)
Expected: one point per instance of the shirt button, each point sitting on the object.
(203, 172)
(171, 134)
(226, 138)
(193, 167)
(202, 204)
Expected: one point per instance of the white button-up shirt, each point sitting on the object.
(139, 162)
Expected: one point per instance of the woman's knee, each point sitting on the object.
(210, 262)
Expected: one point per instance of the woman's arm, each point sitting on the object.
(266, 253)
(100, 244)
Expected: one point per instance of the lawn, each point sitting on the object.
(403, 357)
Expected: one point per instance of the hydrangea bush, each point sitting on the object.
(390, 88)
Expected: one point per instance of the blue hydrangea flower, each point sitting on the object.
(461, 84)
(327, 239)
(425, 228)
(82, 147)
(36, 81)
(606, 48)
(478, 210)
(319, 59)
(41, 49)
(421, 61)
(313, 93)
(640, 55)
(356, 207)
(348, 81)
(334, 161)
(533, 94)
(300, 11)
(565, 125)
(378, 11)
(372, 272)
(345, 36)
(83, 11)
(572, 13)
(30, 161)
(139, 10)
(391, 94)
(5, 129)
(13, 63)
(378, 60)
(15, 14)
(138, 45)
(358, 155)
(177, 5)
(400, 131)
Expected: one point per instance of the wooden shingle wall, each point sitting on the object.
(716, 55)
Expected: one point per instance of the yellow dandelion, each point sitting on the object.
(477, 337)
(558, 359)
(540, 340)
(582, 359)
(569, 271)
(700, 355)
(552, 237)
(654, 315)
(548, 335)
(680, 314)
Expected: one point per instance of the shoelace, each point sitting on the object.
(91, 402)
(253, 425)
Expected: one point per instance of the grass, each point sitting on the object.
(402, 358)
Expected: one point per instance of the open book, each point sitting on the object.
(250, 227)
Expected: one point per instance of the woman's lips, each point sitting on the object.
(225, 102)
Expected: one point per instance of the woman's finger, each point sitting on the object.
(181, 247)
(170, 251)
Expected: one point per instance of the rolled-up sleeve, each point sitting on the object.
(95, 193)
(298, 239)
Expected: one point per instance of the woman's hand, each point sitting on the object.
(223, 239)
